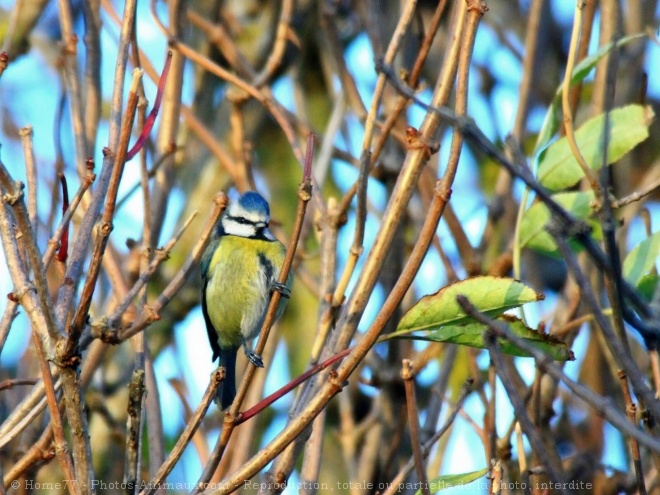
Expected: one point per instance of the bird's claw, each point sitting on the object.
(281, 288)
(254, 358)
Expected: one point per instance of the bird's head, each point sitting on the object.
(248, 216)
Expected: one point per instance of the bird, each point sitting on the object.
(239, 270)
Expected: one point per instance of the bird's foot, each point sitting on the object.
(281, 288)
(254, 358)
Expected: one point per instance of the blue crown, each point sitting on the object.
(253, 201)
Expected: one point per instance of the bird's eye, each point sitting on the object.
(241, 220)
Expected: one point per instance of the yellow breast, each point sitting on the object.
(237, 292)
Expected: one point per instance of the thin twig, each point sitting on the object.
(394, 485)
(604, 406)
(39, 452)
(408, 376)
(365, 157)
(70, 66)
(26, 134)
(61, 448)
(54, 242)
(160, 256)
(568, 117)
(624, 360)
(184, 439)
(412, 80)
(631, 410)
(282, 35)
(552, 468)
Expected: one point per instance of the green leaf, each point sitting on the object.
(641, 260)
(629, 125)
(580, 72)
(647, 286)
(533, 232)
(582, 69)
(490, 295)
(472, 335)
(453, 480)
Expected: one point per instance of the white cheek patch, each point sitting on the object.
(238, 229)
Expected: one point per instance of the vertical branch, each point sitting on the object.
(631, 411)
(490, 424)
(412, 80)
(169, 126)
(311, 466)
(393, 486)
(565, 103)
(554, 470)
(93, 97)
(26, 134)
(187, 434)
(408, 376)
(242, 159)
(13, 195)
(70, 65)
(155, 433)
(136, 392)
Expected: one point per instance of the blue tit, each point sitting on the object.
(239, 269)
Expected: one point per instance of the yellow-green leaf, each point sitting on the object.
(452, 480)
(490, 295)
(641, 260)
(533, 232)
(553, 116)
(472, 335)
(629, 126)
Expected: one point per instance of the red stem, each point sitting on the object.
(63, 251)
(151, 119)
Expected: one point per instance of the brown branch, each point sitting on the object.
(70, 66)
(60, 444)
(408, 376)
(631, 411)
(13, 195)
(26, 134)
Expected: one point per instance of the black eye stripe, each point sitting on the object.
(245, 221)
(241, 220)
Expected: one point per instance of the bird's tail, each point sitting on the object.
(227, 389)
